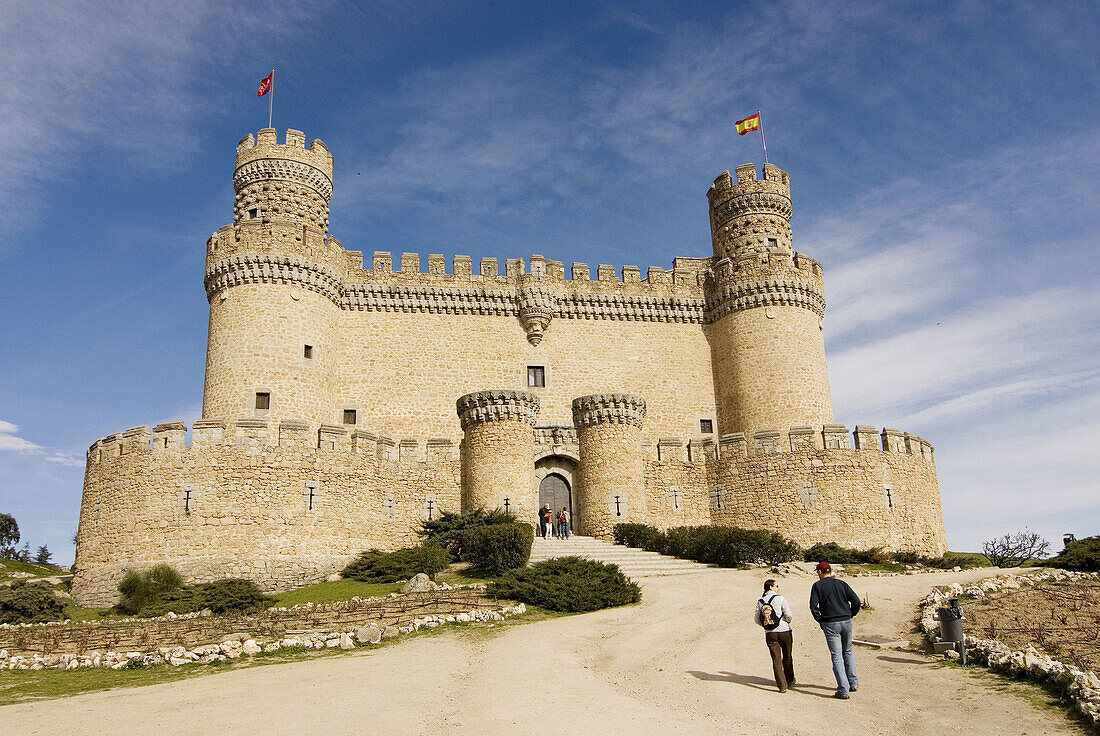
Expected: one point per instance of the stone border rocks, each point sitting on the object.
(233, 646)
(1081, 687)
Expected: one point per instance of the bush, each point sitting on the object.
(389, 567)
(729, 546)
(642, 536)
(497, 548)
(231, 595)
(160, 589)
(833, 552)
(25, 603)
(447, 530)
(1013, 550)
(1083, 555)
(568, 584)
(152, 592)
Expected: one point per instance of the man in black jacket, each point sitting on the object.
(833, 603)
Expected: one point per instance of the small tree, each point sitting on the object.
(9, 536)
(43, 556)
(1013, 550)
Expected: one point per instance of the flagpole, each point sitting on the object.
(271, 102)
(762, 141)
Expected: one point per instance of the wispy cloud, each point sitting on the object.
(10, 441)
(82, 77)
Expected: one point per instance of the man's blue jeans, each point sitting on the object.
(838, 635)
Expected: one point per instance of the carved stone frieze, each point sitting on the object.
(497, 406)
(536, 308)
(772, 292)
(741, 204)
(612, 408)
(271, 269)
(268, 169)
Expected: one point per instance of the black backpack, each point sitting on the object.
(770, 618)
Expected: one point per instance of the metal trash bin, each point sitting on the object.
(951, 628)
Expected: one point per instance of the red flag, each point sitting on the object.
(265, 85)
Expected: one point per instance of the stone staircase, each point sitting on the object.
(633, 562)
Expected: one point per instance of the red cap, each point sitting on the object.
(824, 566)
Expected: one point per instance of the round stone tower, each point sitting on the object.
(612, 478)
(499, 431)
(766, 304)
(272, 279)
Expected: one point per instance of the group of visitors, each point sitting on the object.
(553, 523)
(833, 603)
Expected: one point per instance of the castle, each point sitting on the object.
(344, 405)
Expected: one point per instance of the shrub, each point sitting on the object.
(152, 592)
(642, 536)
(231, 595)
(568, 584)
(1083, 554)
(389, 567)
(1013, 550)
(447, 530)
(497, 548)
(25, 603)
(729, 546)
(833, 552)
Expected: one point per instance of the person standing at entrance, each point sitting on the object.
(833, 603)
(545, 519)
(563, 523)
(774, 614)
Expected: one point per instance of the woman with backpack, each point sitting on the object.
(773, 614)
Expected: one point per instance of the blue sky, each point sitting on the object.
(944, 161)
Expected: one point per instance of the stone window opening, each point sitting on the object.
(253, 213)
(773, 243)
(263, 400)
(349, 416)
(307, 352)
(536, 376)
(889, 498)
(187, 499)
(706, 426)
(311, 495)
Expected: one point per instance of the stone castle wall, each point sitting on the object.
(253, 500)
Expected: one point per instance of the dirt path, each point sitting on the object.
(688, 660)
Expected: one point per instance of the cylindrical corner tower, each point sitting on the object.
(499, 432)
(273, 283)
(612, 478)
(766, 305)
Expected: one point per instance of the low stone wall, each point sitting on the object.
(1081, 687)
(388, 614)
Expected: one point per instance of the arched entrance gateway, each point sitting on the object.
(554, 484)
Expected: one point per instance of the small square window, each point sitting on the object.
(773, 243)
(253, 213)
(263, 400)
(307, 351)
(536, 376)
(706, 426)
(349, 416)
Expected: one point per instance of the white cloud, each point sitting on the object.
(10, 441)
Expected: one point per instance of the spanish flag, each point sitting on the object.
(748, 125)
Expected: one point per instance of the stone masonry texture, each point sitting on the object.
(698, 394)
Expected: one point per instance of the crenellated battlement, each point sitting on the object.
(771, 441)
(251, 435)
(265, 144)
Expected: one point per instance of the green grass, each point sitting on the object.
(7, 567)
(341, 590)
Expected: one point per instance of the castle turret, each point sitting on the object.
(272, 279)
(612, 477)
(766, 303)
(498, 429)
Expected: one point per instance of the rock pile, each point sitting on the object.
(233, 646)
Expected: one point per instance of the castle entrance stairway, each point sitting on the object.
(632, 561)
